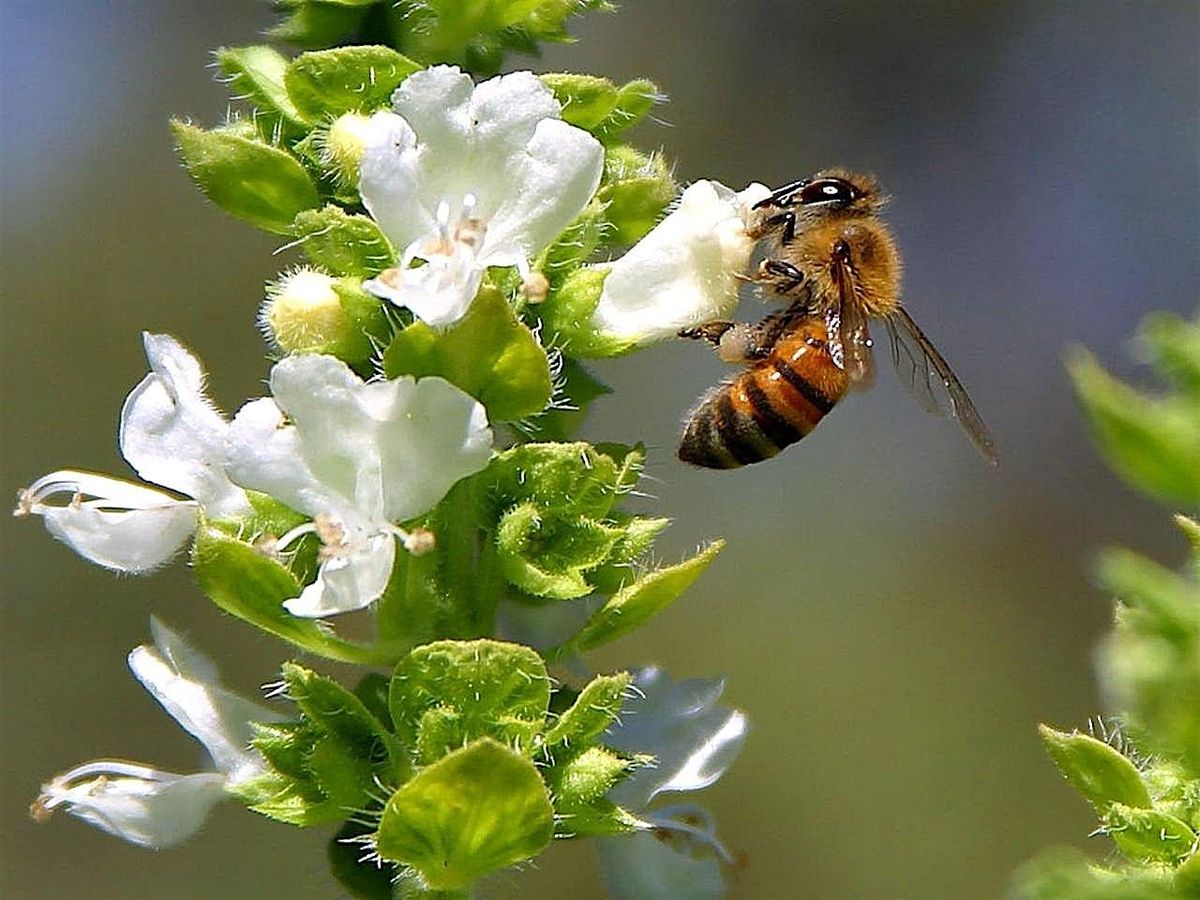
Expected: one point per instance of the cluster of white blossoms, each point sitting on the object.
(358, 457)
(463, 177)
(460, 177)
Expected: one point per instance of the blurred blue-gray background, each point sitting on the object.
(894, 616)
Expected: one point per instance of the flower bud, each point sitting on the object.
(344, 143)
(304, 313)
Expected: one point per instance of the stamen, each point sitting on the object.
(418, 542)
(535, 287)
(287, 540)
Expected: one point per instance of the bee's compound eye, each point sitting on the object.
(834, 191)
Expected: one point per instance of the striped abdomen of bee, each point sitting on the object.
(774, 403)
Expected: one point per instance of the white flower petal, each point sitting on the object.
(683, 272)
(649, 866)
(388, 180)
(436, 102)
(154, 809)
(171, 434)
(438, 435)
(502, 144)
(217, 718)
(692, 739)
(116, 524)
(264, 454)
(505, 113)
(546, 185)
(347, 583)
(439, 292)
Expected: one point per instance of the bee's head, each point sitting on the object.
(829, 194)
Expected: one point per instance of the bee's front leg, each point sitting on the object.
(779, 276)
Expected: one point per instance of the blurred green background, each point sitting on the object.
(894, 617)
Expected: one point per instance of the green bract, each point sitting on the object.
(243, 581)
(257, 74)
(599, 106)
(489, 354)
(325, 83)
(247, 178)
(342, 243)
(478, 809)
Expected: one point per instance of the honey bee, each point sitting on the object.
(836, 264)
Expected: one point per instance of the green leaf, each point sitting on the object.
(363, 880)
(288, 791)
(585, 777)
(1062, 874)
(1096, 770)
(636, 191)
(1174, 349)
(1152, 660)
(256, 73)
(599, 106)
(1187, 877)
(567, 317)
(342, 715)
(1170, 601)
(488, 353)
(546, 555)
(325, 83)
(586, 100)
(1148, 835)
(312, 24)
(476, 810)
(635, 99)
(593, 711)
(341, 243)
(566, 478)
(600, 818)
(1152, 444)
(637, 537)
(640, 601)
(248, 179)
(484, 688)
(247, 584)
(575, 246)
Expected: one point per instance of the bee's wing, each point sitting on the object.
(928, 377)
(851, 340)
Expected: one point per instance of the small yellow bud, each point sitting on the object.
(343, 146)
(303, 313)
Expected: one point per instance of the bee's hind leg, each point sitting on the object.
(735, 342)
(707, 331)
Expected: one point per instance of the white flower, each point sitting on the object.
(149, 807)
(172, 436)
(693, 741)
(685, 271)
(358, 458)
(468, 176)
